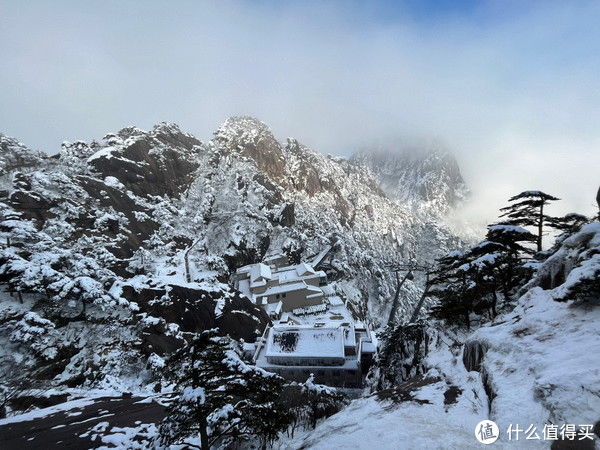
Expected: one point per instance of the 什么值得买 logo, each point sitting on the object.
(487, 432)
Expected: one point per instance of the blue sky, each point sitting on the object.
(427, 11)
(510, 86)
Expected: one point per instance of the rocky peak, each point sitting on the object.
(170, 134)
(253, 139)
(428, 178)
(15, 155)
(158, 162)
(128, 132)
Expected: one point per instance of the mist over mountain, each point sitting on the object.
(428, 178)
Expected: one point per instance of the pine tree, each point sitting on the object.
(528, 211)
(220, 396)
(452, 283)
(469, 281)
(401, 354)
(512, 238)
(322, 401)
(14, 229)
(569, 223)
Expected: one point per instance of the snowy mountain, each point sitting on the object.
(428, 178)
(115, 247)
(115, 252)
(252, 195)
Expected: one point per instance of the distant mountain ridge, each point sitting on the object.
(428, 178)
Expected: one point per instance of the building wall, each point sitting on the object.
(325, 375)
(299, 361)
(261, 289)
(313, 281)
(296, 299)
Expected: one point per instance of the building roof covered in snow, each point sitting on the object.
(298, 272)
(260, 272)
(274, 308)
(306, 342)
(281, 288)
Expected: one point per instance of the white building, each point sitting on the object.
(312, 331)
(295, 286)
(327, 343)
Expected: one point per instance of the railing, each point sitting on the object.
(261, 342)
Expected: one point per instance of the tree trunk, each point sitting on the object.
(396, 297)
(598, 201)
(188, 275)
(540, 227)
(204, 445)
(415, 313)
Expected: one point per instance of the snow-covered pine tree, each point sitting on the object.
(141, 262)
(509, 271)
(221, 398)
(487, 264)
(321, 401)
(528, 210)
(401, 353)
(14, 229)
(453, 284)
(469, 281)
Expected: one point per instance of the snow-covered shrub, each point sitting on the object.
(30, 327)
